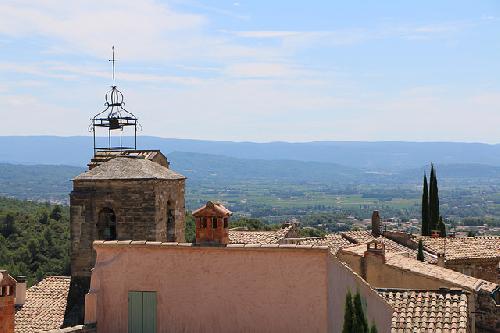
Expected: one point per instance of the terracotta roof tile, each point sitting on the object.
(411, 264)
(390, 245)
(462, 248)
(425, 311)
(333, 241)
(259, 237)
(44, 307)
(445, 274)
(212, 209)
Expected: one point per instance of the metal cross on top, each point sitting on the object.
(114, 117)
(113, 63)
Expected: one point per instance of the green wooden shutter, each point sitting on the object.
(141, 312)
(134, 312)
(149, 312)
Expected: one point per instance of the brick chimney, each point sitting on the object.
(375, 248)
(373, 257)
(375, 223)
(212, 224)
(7, 296)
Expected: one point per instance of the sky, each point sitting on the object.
(256, 70)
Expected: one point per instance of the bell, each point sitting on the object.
(114, 123)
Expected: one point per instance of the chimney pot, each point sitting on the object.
(20, 290)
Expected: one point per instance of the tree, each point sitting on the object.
(348, 326)
(43, 218)
(373, 328)
(354, 315)
(360, 324)
(433, 200)
(9, 227)
(442, 227)
(425, 209)
(56, 213)
(420, 253)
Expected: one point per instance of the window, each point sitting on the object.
(106, 224)
(170, 221)
(141, 312)
(226, 222)
(203, 222)
(214, 223)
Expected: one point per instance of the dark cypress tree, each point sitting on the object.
(442, 227)
(349, 318)
(420, 253)
(361, 324)
(433, 200)
(425, 209)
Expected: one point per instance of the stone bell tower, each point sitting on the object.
(127, 194)
(127, 197)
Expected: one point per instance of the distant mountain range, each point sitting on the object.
(368, 156)
(52, 182)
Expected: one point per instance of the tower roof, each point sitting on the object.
(124, 168)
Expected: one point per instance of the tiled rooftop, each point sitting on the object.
(44, 307)
(438, 272)
(402, 261)
(6, 279)
(361, 236)
(427, 311)
(333, 241)
(129, 168)
(259, 237)
(463, 247)
(390, 245)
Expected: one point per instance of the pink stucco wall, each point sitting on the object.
(341, 279)
(233, 289)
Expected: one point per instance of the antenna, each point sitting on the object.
(113, 63)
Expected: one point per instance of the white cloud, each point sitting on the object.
(262, 70)
(265, 34)
(140, 29)
(248, 85)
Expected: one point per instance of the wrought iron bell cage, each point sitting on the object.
(114, 117)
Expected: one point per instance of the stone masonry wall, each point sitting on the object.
(170, 192)
(480, 268)
(139, 207)
(488, 316)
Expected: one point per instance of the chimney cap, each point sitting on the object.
(20, 278)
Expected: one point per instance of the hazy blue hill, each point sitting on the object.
(52, 182)
(37, 182)
(449, 172)
(206, 167)
(365, 155)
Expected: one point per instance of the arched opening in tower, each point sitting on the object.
(106, 225)
(170, 221)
